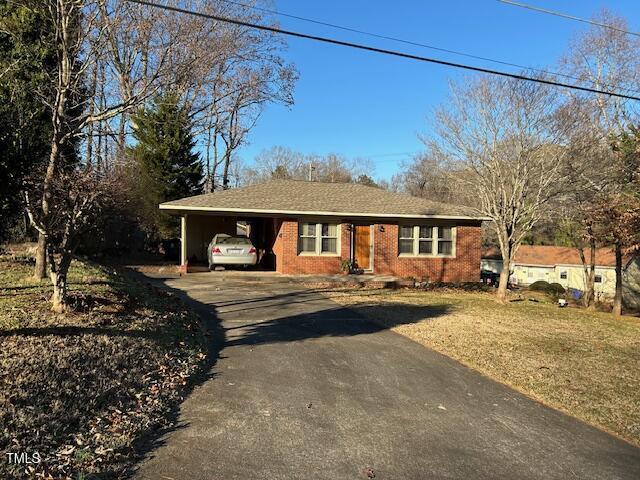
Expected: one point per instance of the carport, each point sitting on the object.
(198, 228)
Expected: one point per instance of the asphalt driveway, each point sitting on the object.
(305, 388)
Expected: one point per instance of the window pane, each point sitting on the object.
(308, 229)
(406, 232)
(406, 246)
(307, 244)
(444, 233)
(426, 232)
(329, 230)
(329, 245)
(425, 247)
(444, 247)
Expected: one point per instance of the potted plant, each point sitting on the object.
(346, 266)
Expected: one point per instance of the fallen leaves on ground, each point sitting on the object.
(86, 390)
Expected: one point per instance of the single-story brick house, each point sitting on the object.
(302, 227)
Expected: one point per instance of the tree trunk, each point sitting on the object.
(585, 274)
(501, 294)
(92, 107)
(617, 299)
(40, 271)
(225, 173)
(589, 271)
(122, 137)
(59, 273)
(591, 279)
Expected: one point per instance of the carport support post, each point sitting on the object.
(183, 242)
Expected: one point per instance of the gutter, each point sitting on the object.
(165, 206)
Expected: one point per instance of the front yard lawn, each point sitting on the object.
(584, 363)
(88, 389)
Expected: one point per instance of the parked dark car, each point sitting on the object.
(489, 277)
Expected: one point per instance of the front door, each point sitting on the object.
(362, 242)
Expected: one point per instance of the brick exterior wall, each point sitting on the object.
(465, 267)
(288, 261)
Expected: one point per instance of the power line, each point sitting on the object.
(410, 42)
(570, 17)
(399, 40)
(383, 51)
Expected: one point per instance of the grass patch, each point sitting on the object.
(85, 389)
(584, 363)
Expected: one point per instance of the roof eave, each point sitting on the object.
(168, 206)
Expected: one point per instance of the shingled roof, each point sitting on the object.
(550, 255)
(288, 197)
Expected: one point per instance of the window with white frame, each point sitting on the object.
(307, 237)
(563, 275)
(406, 242)
(445, 241)
(426, 240)
(317, 238)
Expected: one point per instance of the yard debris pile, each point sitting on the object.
(87, 390)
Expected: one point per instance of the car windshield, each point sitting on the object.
(233, 241)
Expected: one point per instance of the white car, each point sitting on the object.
(227, 250)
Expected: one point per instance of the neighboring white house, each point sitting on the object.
(555, 265)
(491, 260)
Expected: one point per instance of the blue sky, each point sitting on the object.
(368, 105)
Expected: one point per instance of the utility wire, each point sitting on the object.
(383, 51)
(570, 17)
(410, 42)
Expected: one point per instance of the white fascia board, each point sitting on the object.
(312, 213)
(575, 265)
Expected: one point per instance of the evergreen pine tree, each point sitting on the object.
(27, 53)
(164, 154)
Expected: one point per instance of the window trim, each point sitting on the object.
(318, 239)
(435, 233)
(412, 238)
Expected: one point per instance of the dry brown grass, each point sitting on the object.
(584, 363)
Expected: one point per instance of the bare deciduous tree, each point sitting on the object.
(81, 27)
(428, 176)
(505, 145)
(281, 163)
(609, 60)
(78, 197)
(112, 57)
